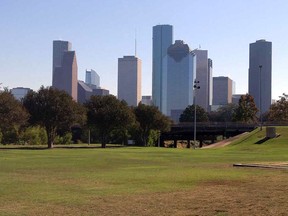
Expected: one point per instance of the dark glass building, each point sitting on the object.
(260, 72)
(162, 39)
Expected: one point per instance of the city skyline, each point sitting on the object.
(99, 38)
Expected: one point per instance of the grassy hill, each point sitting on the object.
(146, 181)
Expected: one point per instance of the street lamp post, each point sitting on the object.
(260, 101)
(196, 86)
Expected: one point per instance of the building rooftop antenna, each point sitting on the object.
(135, 42)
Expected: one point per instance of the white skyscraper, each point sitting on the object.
(129, 80)
(204, 76)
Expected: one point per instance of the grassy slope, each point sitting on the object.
(64, 181)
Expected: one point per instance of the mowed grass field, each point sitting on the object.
(146, 181)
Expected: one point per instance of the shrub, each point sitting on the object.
(10, 136)
(34, 136)
(65, 139)
(152, 138)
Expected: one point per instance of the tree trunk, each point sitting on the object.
(188, 144)
(50, 145)
(51, 135)
(103, 141)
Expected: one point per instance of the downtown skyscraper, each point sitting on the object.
(260, 73)
(92, 79)
(162, 39)
(65, 69)
(204, 77)
(179, 71)
(129, 80)
(59, 48)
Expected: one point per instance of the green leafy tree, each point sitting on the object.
(54, 110)
(12, 117)
(246, 110)
(279, 110)
(224, 113)
(188, 114)
(149, 121)
(107, 114)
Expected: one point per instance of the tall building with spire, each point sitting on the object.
(260, 73)
(162, 39)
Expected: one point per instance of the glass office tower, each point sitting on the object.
(162, 39)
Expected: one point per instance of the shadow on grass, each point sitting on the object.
(262, 140)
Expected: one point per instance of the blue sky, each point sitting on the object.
(102, 31)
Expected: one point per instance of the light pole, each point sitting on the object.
(196, 86)
(260, 111)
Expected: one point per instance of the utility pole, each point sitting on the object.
(196, 86)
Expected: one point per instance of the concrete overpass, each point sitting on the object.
(204, 131)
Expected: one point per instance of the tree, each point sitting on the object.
(279, 110)
(149, 120)
(189, 112)
(107, 114)
(12, 117)
(246, 110)
(54, 110)
(224, 113)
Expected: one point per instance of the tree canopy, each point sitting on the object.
(225, 113)
(107, 114)
(188, 114)
(12, 117)
(54, 110)
(246, 110)
(279, 110)
(149, 119)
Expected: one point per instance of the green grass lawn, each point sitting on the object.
(129, 180)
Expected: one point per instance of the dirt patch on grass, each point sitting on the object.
(261, 195)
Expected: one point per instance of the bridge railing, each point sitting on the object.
(215, 124)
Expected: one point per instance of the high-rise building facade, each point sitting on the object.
(129, 79)
(59, 48)
(85, 92)
(222, 90)
(260, 73)
(92, 79)
(162, 39)
(210, 82)
(179, 68)
(20, 92)
(204, 76)
(65, 69)
(147, 100)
